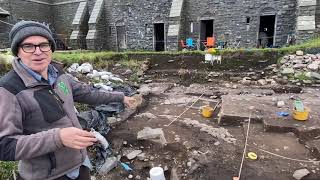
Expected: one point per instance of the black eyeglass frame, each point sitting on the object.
(35, 47)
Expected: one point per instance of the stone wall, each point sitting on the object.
(23, 10)
(63, 17)
(29, 10)
(4, 28)
(230, 19)
(318, 14)
(138, 17)
(58, 13)
(306, 19)
(4, 32)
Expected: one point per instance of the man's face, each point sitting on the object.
(38, 60)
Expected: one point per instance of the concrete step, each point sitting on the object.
(96, 11)
(80, 13)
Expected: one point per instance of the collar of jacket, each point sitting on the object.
(27, 78)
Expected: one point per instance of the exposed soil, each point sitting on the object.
(197, 155)
(192, 153)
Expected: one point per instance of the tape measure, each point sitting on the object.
(252, 156)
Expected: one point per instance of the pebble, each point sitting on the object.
(299, 174)
(280, 104)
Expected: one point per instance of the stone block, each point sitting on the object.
(110, 163)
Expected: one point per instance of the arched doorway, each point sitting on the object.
(267, 27)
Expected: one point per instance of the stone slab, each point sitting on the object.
(314, 148)
(307, 2)
(235, 110)
(306, 23)
(155, 88)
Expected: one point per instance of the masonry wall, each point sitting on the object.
(29, 10)
(4, 28)
(63, 17)
(230, 19)
(23, 10)
(58, 13)
(306, 24)
(138, 17)
(318, 14)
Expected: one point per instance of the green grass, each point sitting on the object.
(132, 64)
(314, 43)
(302, 77)
(7, 168)
(81, 56)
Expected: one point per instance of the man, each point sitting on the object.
(38, 123)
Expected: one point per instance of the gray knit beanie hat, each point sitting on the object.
(24, 29)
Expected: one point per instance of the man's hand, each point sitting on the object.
(129, 101)
(76, 138)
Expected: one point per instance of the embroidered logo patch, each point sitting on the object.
(63, 88)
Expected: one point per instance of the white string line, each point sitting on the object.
(184, 111)
(245, 146)
(215, 107)
(7, 23)
(284, 157)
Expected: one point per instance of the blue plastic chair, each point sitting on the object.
(190, 43)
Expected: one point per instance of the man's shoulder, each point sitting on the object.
(12, 82)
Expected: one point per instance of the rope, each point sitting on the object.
(184, 111)
(7, 23)
(245, 146)
(284, 157)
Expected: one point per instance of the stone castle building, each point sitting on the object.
(160, 24)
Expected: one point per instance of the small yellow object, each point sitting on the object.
(212, 50)
(207, 111)
(301, 116)
(252, 155)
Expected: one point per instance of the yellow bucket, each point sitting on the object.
(207, 111)
(301, 116)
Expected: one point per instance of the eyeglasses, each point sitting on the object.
(31, 48)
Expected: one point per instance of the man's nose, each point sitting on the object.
(37, 50)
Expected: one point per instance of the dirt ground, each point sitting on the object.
(192, 153)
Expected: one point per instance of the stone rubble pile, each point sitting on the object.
(104, 78)
(301, 68)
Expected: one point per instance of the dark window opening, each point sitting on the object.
(145, 29)
(266, 31)
(248, 20)
(110, 30)
(159, 37)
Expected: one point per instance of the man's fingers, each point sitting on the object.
(85, 133)
(83, 145)
(86, 139)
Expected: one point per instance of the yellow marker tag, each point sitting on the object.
(252, 155)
